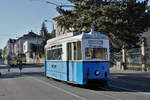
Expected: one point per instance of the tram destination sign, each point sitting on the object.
(95, 43)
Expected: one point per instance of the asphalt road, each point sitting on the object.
(32, 85)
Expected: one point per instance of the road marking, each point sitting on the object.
(67, 92)
(110, 96)
(127, 89)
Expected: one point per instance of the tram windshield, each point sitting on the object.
(95, 53)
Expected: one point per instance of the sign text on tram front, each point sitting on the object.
(95, 43)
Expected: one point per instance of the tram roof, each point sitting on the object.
(77, 35)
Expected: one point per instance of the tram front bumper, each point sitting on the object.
(98, 81)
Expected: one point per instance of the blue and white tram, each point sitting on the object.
(78, 58)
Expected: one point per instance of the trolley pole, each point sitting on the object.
(143, 55)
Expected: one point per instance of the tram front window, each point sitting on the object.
(96, 53)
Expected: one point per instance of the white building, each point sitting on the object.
(27, 49)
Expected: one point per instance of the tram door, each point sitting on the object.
(69, 62)
(73, 54)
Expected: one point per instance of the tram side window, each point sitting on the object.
(75, 50)
(79, 52)
(54, 54)
(69, 54)
(96, 53)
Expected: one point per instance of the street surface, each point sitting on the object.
(32, 85)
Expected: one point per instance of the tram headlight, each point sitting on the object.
(97, 72)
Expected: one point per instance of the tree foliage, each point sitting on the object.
(4, 51)
(43, 29)
(38, 49)
(49, 36)
(122, 20)
(1, 53)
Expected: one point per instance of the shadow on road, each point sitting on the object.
(144, 77)
(22, 74)
(122, 82)
(3, 67)
(114, 89)
(24, 66)
(33, 65)
(5, 74)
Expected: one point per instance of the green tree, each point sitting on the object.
(4, 51)
(1, 53)
(44, 31)
(38, 49)
(49, 36)
(122, 20)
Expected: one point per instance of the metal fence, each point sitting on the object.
(115, 59)
(147, 57)
(133, 59)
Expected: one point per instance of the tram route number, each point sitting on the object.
(93, 43)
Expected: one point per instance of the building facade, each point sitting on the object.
(20, 41)
(30, 56)
(21, 46)
(10, 47)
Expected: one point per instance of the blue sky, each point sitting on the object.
(18, 17)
